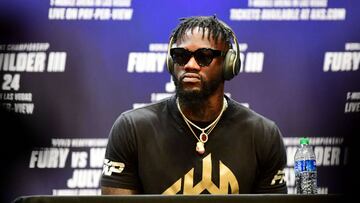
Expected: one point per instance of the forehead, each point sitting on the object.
(199, 38)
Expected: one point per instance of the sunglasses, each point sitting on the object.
(203, 56)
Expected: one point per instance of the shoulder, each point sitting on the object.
(261, 130)
(248, 116)
(129, 122)
(265, 134)
(147, 112)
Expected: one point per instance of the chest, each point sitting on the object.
(168, 162)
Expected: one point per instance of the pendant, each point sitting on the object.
(204, 137)
(200, 148)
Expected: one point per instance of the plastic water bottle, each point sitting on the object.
(305, 168)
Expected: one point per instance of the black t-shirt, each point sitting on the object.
(152, 150)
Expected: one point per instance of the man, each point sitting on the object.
(198, 141)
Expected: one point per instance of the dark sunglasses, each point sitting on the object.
(203, 56)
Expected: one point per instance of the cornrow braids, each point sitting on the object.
(215, 28)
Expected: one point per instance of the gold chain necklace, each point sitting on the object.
(204, 136)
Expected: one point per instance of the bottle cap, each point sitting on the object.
(304, 140)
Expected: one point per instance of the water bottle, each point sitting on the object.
(305, 168)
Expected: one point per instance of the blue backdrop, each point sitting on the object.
(68, 68)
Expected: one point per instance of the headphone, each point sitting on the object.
(231, 65)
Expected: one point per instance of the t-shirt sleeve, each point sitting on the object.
(272, 163)
(120, 163)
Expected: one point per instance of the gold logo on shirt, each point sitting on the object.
(278, 177)
(226, 179)
(112, 167)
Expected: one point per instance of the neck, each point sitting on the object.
(203, 111)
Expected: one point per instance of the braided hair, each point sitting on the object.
(215, 27)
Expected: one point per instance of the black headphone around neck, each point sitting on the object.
(231, 66)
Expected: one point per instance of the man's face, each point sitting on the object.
(194, 81)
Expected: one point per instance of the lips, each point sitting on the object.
(190, 77)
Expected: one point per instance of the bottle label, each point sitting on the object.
(305, 165)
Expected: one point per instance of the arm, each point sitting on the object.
(117, 191)
(272, 157)
(119, 175)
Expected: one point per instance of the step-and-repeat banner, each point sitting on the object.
(68, 68)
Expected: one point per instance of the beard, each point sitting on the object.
(196, 96)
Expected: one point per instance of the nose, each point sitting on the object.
(192, 65)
